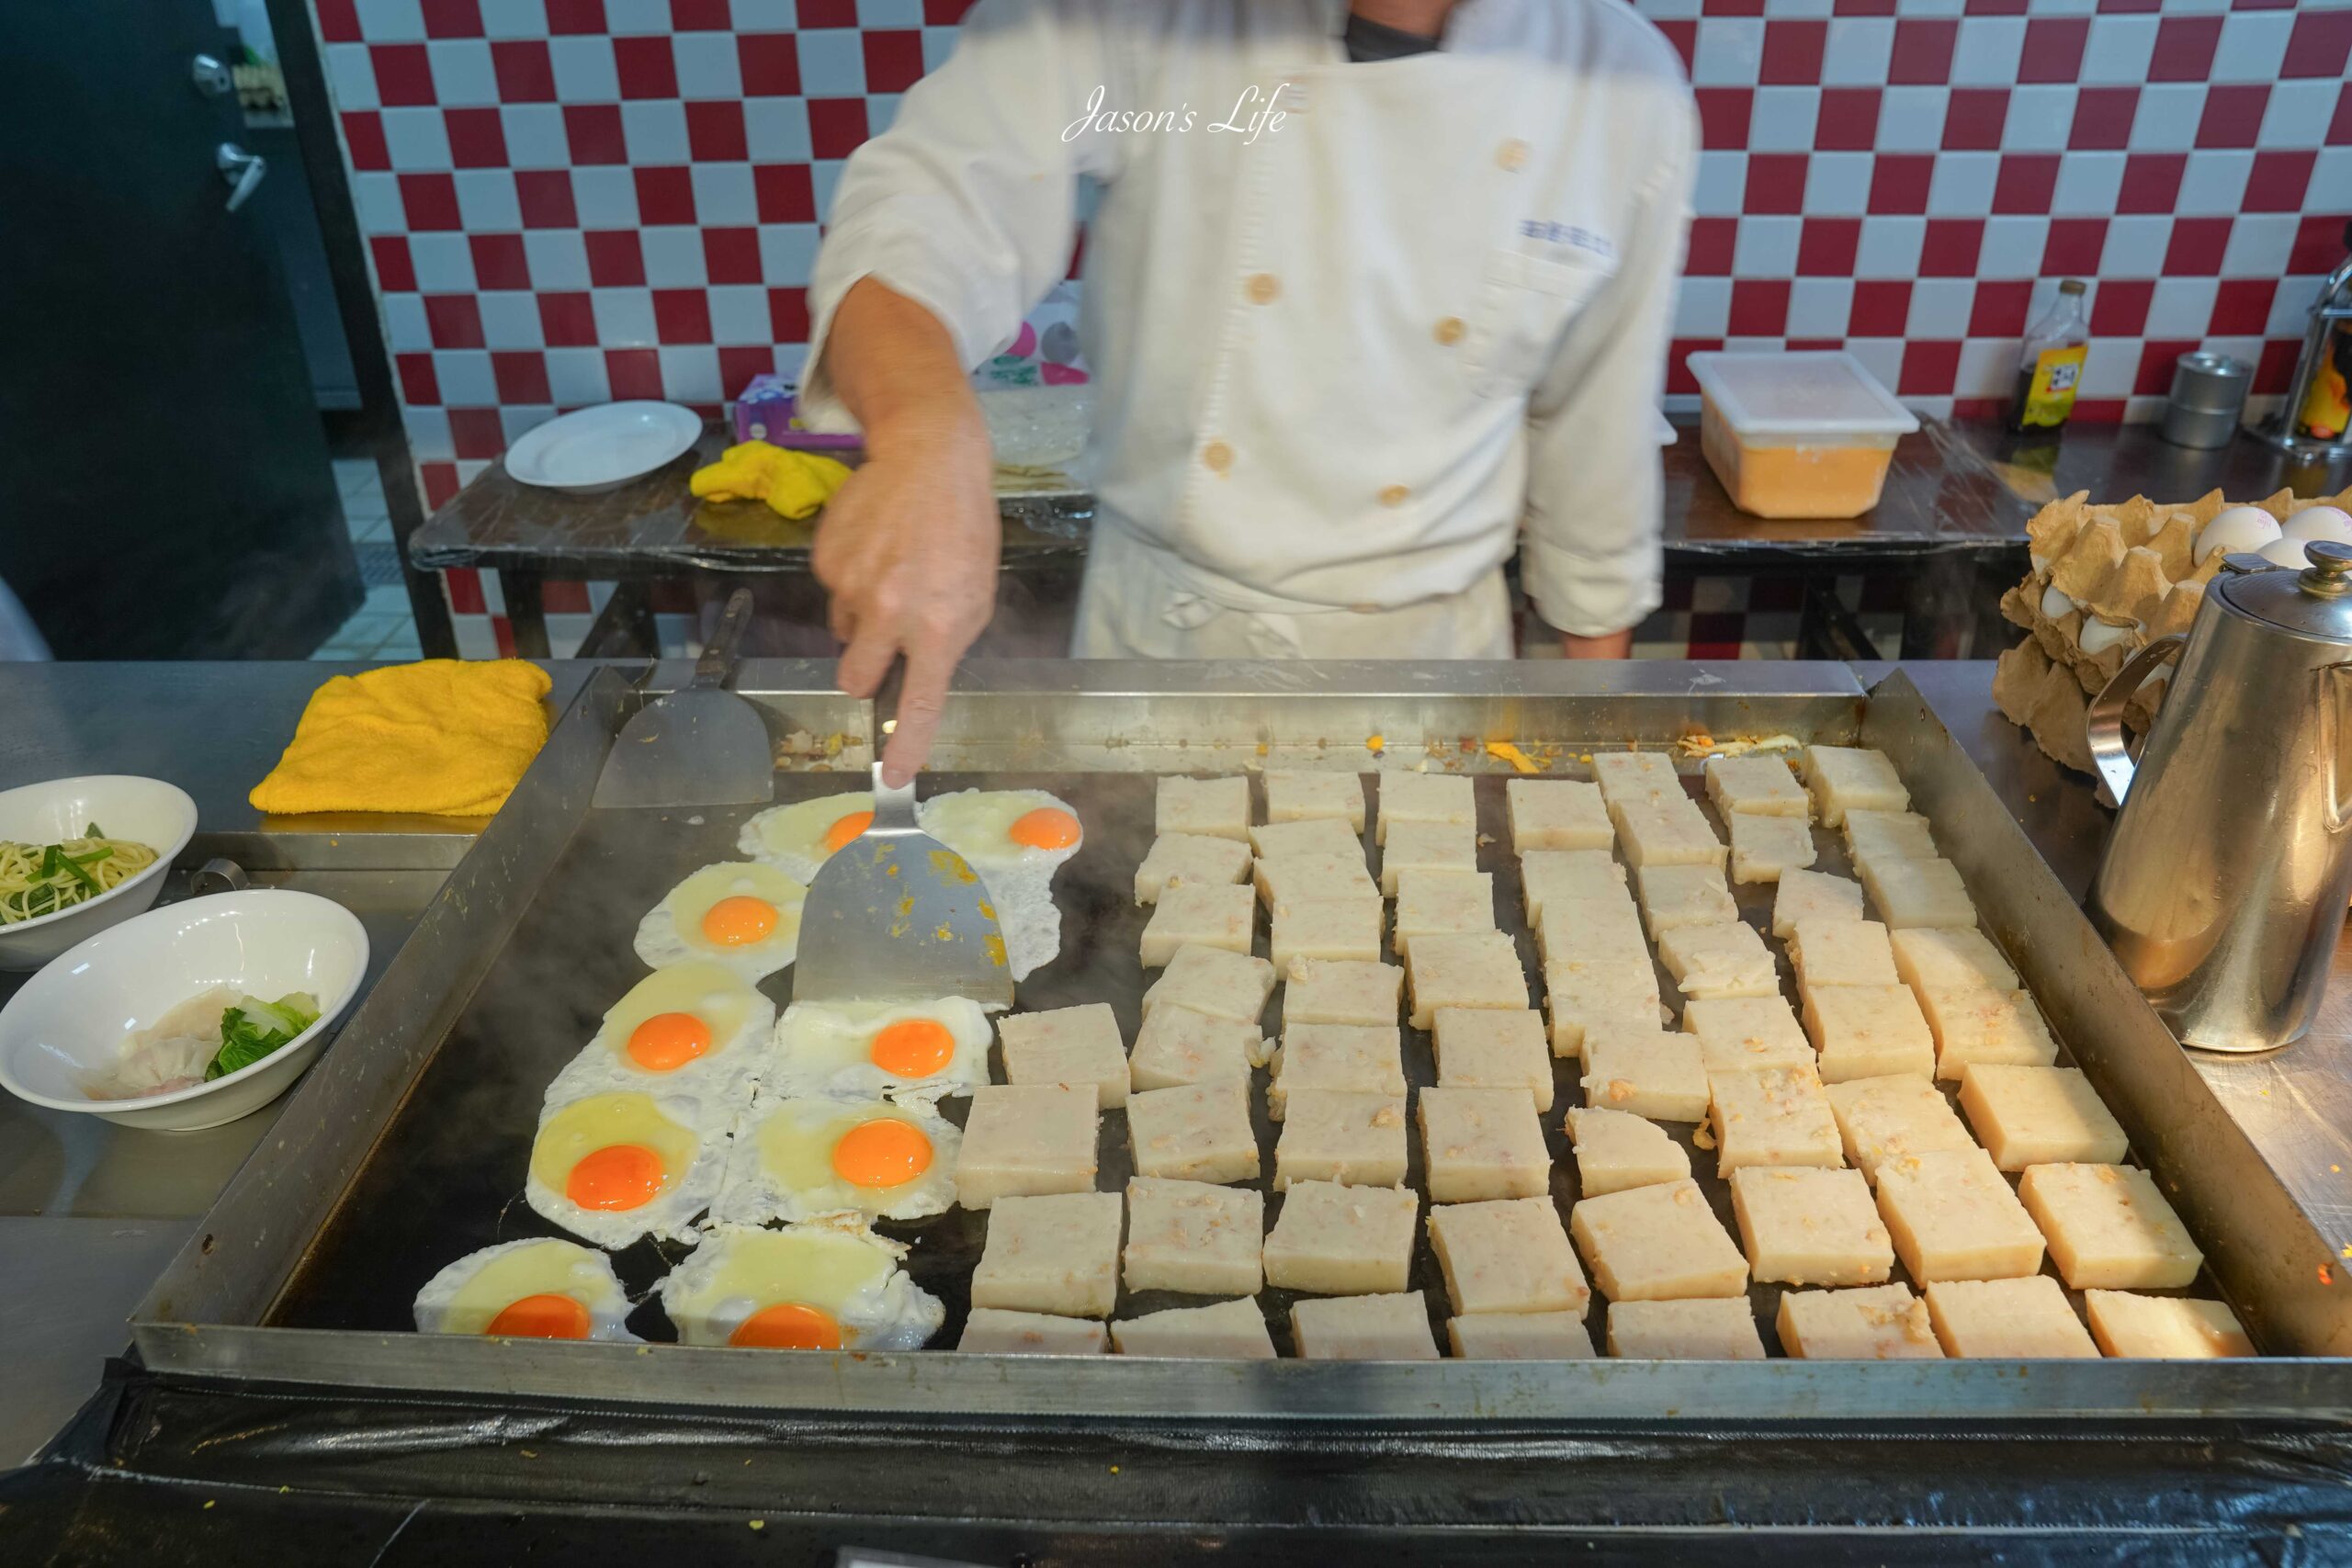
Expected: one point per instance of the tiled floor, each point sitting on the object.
(383, 626)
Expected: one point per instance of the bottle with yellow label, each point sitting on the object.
(2050, 366)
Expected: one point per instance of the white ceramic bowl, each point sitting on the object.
(593, 450)
(146, 811)
(69, 1022)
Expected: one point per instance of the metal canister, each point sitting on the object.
(2223, 886)
(2208, 395)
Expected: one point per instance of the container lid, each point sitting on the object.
(2314, 602)
(1817, 395)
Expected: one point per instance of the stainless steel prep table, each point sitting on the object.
(2287, 1102)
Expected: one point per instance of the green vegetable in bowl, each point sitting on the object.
(253, 1028)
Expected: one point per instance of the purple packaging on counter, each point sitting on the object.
(763, 411)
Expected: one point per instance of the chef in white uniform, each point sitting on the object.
(1374, 297)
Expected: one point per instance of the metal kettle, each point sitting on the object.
(2223, 886)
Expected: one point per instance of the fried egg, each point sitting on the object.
(694, 1024)
(739, 913)
(539, 1289)
(613, 1167)
(1015, 840)
(832, 1285)
(799, 838)
(854, 1050)
(795, 1159)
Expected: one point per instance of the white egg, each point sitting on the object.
(2236, 529)
(828, 1285)
(696, 1026)
(1015, 840)
(522, 1289)
(2054, 604)
(739, 913)
(2097, 637)
(862, 1051)
(2319, 523)
(797, 1159)
(799, 838)
(2285, 552)
(613, 1167)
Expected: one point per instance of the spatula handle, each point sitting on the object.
(717, 662)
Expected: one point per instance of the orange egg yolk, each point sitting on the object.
(1047, 827)
(913, 1048)
(848, 827)
(739, 921)
(884, 1152)
(788, 1326)
(619, 1175)
(668, 1041)
(541, 1317)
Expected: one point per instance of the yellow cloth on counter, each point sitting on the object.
(794, 484)
(445, 738)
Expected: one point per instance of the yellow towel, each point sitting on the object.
(793, 484)
(445, 737)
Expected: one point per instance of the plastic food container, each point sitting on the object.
(1802, 435)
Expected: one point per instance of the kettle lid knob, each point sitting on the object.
(2331, 561)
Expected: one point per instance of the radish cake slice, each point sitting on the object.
(1230, 1331)
(1215, 809)
(1810, 1227)
(1759, 785)
(1213, 981)
(1887, 1117)
(2110, 1229)
(993, 1331)
(1771, 1116)
(1340, 1135)
(1193, 1236)
(1848, 778)
(1426, 797)
(1558, 814)
(2171, 1328)
(1078, 1044)
(1616, 1150)
(1427, 846)
(1438, 903)
(2039, 1116)
(1195, 1132)
(1878, 1323)
(2020, 1319)
(1057, 1255)
(1493, 1048)
(1645, 1072)
(1343, 1241)
(1813, 896)
(1747, 1032)
(1656, 1244)
(1765, 849)
(1507, 1256)
(1952, 1217)
(1721, 1329)
(1304, 796)
(1177, 859)
(1482, 1143)
(1364, 1328)
(1323, 990)
(1328, 928)
(1520, 1336)
(1359, 1058)
(1177, 1045)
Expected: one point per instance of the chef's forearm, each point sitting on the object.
(1609, 645)
(894, 367)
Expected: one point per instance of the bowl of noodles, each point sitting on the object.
(78, 855)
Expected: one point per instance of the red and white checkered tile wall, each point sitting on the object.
(573, 201)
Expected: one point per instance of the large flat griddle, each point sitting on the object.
(406, 1148)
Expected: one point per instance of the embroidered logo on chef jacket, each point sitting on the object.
(1574, 236)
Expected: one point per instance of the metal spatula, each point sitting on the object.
(704, 746)
(899, 917)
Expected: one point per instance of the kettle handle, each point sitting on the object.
(2104, 720)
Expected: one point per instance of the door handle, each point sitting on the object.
(212, 79)
(241, 169)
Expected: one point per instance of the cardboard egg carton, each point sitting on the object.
(2106, 581)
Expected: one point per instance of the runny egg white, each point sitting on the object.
(852, 1050)
(696, 1023)
(615, 1167)
(796, 1159)
(831, 1285)
(799, 838)
(739, 913)
(539, 1289)
(1015, 840)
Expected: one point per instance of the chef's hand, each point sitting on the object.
(907, 547)
(1609, 645)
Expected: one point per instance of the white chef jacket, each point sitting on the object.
(1347, 363)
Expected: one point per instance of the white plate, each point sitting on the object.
(145, 811)
(69, 1022)
(599, 449)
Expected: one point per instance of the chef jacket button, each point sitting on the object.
(1263, 287)
(1511, 154)
(1217, 455)
(1449, 331)
(1394, 495)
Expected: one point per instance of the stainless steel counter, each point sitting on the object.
(100, 1208)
